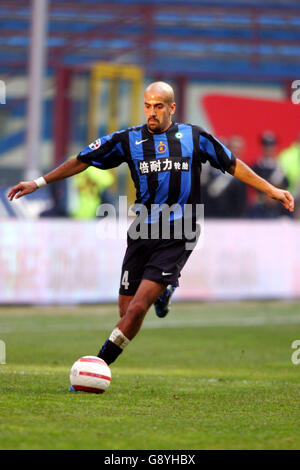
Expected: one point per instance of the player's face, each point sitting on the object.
(158, 112)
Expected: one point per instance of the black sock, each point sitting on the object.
(109, 352)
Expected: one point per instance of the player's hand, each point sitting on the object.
(25, 187)
(284, 197)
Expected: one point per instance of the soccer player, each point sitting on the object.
(165, 161)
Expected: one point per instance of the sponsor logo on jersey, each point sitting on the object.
(159, 165)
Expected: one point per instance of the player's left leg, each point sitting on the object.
(130, 323)
(163, 302)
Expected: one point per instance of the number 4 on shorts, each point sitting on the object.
(125, 282)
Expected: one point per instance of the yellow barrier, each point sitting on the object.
(115, 74)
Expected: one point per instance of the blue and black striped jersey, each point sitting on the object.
(165, 167)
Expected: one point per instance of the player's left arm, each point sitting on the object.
(243, 172)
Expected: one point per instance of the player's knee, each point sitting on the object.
(137, 309)
(122, 309)
(123, 305)
(122, 312)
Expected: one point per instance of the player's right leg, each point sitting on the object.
(124, 301)
(145, 296)
(130, 323)
(131, 274)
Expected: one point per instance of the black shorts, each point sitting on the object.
(160, 261)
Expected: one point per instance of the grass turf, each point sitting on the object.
(208, 376)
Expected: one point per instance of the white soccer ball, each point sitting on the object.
(90, 374)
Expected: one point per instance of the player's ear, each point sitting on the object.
(173, 108)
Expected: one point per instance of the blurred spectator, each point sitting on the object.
(290, 162)
(269, 168)
(88, 190)
(80, 196)
(223, 195)
(58, 193)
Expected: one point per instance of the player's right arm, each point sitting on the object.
(103, 153)
(68, 168)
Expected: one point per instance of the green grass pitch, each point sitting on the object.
(208, 376)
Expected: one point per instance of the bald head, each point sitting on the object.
(161, 89)
(159, 106)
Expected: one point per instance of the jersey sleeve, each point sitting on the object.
(105, 152)
(212, 150)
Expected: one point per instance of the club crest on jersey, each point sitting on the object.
(161, 147)
(95, 145)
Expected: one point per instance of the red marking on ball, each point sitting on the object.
(93, 374)
(82, 388)
(91, 359)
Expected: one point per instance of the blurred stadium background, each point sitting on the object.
(71, 71)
